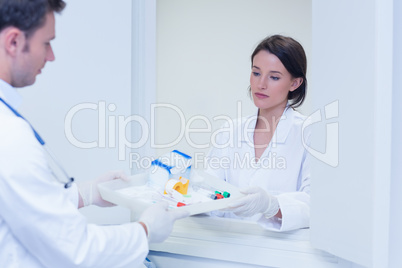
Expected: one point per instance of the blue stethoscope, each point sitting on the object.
(70, 180)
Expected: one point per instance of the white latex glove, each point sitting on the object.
(159, 221)
(255, 201)
(89, 191)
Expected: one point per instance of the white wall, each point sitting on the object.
(396, 172)
(93, 64)
(352, 67)
(203, 59)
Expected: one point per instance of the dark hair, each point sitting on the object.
(293, 57)
(27, 15)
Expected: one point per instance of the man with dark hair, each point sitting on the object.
(40, 225)
(27, 15)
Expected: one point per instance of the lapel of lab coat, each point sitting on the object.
(281, 132)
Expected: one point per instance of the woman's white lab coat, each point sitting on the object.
(282, 170)
(40, 225)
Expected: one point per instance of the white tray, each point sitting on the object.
(131, 193)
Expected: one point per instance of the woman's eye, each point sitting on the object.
(256, 74)
(275, 78)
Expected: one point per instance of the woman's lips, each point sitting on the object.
(261, 96)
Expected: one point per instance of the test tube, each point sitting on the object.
(224, 194)
(211, 189)
(175, 195)
(204, 192)
(156, 197)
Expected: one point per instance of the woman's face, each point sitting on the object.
(270, 82)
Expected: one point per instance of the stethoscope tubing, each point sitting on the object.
(42, 142)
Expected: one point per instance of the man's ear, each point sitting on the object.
(296, 83)
(14, 40)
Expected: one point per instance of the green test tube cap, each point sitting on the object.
(226, 194)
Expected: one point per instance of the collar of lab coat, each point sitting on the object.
(10, 95)
(281, 132)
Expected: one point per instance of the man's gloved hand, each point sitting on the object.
(159, 221)
(89, 191)
(255, 201)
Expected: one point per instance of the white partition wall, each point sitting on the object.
(143, 80)
(79, 96)
(353, 74)
(78, 99)
(395, 256)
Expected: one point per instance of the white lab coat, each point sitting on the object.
(283, 169)
(40, 225)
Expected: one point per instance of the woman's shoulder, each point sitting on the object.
(296, 117)
(299, 123)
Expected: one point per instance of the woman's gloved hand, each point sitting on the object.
(256, 201)
(159, 221)
(89, 191)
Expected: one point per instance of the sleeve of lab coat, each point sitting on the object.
(45, 218)
(295, 206)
